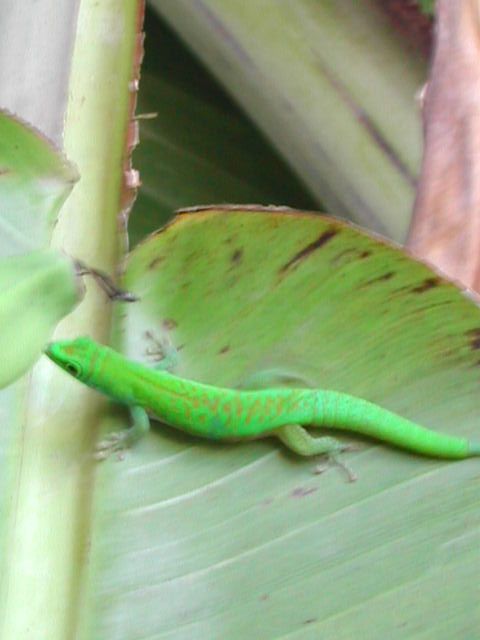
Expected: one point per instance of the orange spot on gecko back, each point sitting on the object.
(238, 406)
(256, 409)
(214, 402)
(268, 405)
(280, 408)
(188, 411)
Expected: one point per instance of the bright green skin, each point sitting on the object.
(228, 414)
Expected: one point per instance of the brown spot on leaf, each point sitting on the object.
(301, 492)
(310, 620)
(155, 262)
(426, 285)
(365, 254)
(342, 254)
(322, 240)
(382, 278)
(386, 276)
(474, 335)
(237, 256)
(224, 349)
(169, 323)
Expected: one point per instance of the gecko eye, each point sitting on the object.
(73, 369)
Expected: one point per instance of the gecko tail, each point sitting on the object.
(473, 448)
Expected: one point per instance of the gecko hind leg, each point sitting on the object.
(118, 441)
(298, 439)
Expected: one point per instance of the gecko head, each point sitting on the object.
(73, 356)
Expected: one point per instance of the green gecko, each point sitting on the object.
(229, 414)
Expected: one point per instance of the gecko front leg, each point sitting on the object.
(118, 441)
(165, 357)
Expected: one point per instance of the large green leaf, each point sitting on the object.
(193, 539)
(37, 288)
(35, 180)
(331, 84)
(36, 291)
(199, 148)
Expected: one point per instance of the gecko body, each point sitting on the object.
(229, 414)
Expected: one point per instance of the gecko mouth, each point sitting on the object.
(49, 351)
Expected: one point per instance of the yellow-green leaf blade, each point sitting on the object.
(35, 179)
(196, 539)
